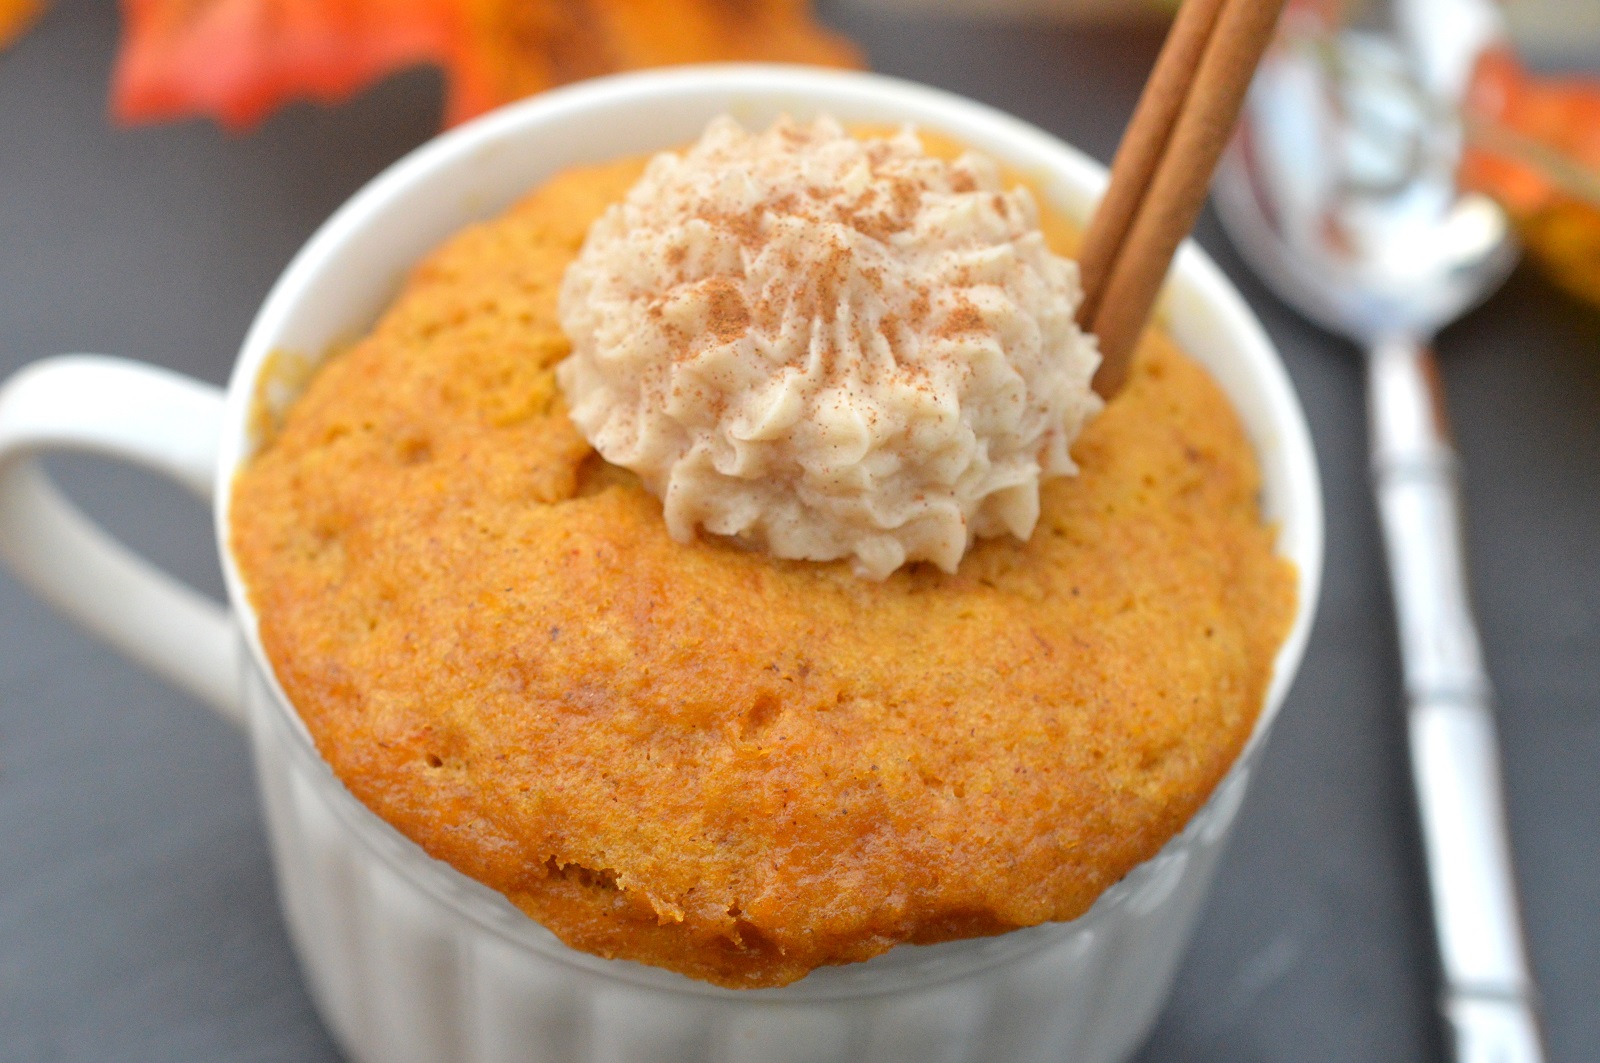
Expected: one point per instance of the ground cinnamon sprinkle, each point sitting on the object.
(964, 318)
(800, 271)
(729, 317)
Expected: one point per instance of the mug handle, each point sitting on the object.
(151, 417)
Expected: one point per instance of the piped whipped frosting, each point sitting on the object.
(829, 347)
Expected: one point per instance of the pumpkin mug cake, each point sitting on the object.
(843, 648)
(658, 737)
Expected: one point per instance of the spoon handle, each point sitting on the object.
(1488, 993)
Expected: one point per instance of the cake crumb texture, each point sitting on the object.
(703, 758)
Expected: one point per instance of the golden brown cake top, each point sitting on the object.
(703, 758)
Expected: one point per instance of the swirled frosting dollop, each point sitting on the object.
(828, 347)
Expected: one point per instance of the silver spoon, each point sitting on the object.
(1340, 191)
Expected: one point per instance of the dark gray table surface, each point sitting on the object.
(137, 914)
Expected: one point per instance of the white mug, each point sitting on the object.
(406, 958)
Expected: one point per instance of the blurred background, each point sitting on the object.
(137, 915)
(1551, 33)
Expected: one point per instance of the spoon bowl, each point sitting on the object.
(1340, 191)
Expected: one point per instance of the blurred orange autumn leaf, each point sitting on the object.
(238, 60)
(15, 17)
(1535, 147)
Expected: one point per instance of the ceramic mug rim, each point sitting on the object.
(1197, 287)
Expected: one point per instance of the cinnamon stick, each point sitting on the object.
(1141, 148)
(1177, 188)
